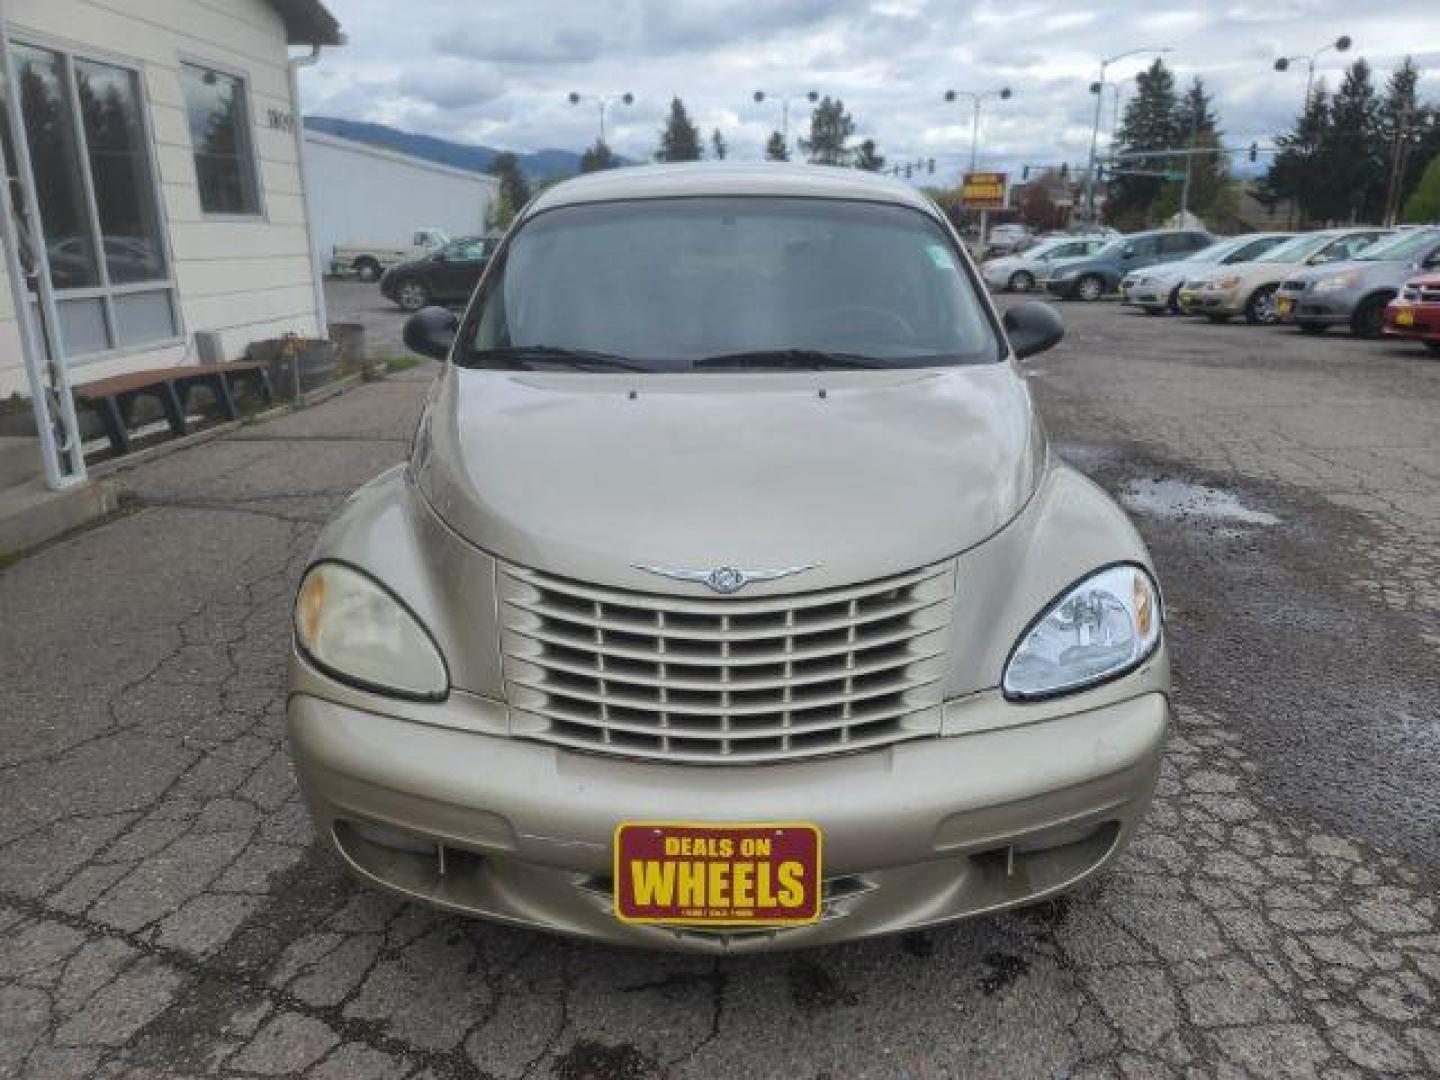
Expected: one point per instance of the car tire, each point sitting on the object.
(1433, 346)
(1260, 308)
(1172, 305)
(1090, 287)
(367, 269)
(1154, 311)
(1308, 327)
(1369, 317)
(1021, 281)
(412, 295)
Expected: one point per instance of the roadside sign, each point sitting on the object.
(983, 190)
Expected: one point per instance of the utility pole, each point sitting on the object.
(759, 96)
(977, 97)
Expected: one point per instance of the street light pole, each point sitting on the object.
(977, 98)
(759, 96)
(1340, 44)
(603, 102)
(1098, 89)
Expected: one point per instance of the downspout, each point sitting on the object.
(317, 277)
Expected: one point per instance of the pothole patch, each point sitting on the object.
(1179, 499)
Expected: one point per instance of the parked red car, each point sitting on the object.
(1415, 313)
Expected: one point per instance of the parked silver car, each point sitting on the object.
(1156, 289)
(1354, 293)
(730, 598)
(1020, 272)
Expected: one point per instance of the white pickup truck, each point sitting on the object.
(368, 262)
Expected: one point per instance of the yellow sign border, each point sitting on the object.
(808, 920)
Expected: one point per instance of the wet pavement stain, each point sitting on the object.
(1166, 497)
(1004, 969)
(589, 1059)
(812, 988)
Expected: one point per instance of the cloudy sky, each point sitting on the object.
(499, 71)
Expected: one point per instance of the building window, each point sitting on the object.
(220, 133)
(99, 204)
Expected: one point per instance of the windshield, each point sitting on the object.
(1297, 250)
(1400, 248)
(677, 284)
(1050, 247)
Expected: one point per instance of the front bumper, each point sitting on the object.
(1422, 320)
(915, 834)
(1325, 309)
(1210, 301)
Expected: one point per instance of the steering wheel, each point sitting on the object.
(864, 317)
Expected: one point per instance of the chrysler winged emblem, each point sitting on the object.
(724, 579)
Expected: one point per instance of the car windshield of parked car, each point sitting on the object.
(1298, 249)
(732, 283)
(1400, 248)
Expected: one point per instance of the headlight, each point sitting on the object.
(1102, 628)
(1337, 281)
(1227, 282)
(353, 629)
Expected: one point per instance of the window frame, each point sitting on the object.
(251, 154)
(69, 52)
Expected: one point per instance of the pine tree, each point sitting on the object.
(1149, 124)
(1350, 171)
(868, 157)
(598, 158)
(830, 128)
(1403, 127)
(514, 190)
(719, 147)
(679, 139)
(775, 148)
(1197, 128)
(1292, 174)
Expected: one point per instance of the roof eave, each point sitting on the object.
(308, 22)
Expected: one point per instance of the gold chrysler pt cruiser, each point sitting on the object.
(730, 598)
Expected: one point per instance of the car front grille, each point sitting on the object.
(712, 680)
(1429, 294)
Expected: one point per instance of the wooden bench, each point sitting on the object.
(114, 398)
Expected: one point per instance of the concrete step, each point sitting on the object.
(31, 513)
(19, 460)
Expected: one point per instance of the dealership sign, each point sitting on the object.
(983, 190)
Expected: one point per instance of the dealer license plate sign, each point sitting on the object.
(1404, 318)
(1283, 305)
(688, 874)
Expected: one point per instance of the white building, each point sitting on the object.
(364, 196)
(161, 156)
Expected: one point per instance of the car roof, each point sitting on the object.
(690, 179)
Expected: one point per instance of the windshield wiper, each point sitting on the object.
(807, 359)
(580, 359)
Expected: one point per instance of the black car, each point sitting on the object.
(447, 276)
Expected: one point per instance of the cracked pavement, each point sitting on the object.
(165, 913)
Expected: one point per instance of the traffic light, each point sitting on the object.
(1025, 173)
(1254, 151)
(1065, 171)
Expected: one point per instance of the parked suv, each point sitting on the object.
(1355, 293)
(1249, 288)
(730, 599)
(447, 276)
(1020, 272)
(1156, 289)
(1091, 277)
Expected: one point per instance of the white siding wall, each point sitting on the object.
(249, 279)
(363, 196)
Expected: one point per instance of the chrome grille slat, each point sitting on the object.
(720, 680)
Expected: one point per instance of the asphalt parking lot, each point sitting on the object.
(164, 911)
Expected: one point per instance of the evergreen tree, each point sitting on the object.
(1404, 124)
(718, 146)
(868, 157)
(830, 128)
(1292, 174)
(514, 191)
(1197, 128)
(598, 158)
(775, 148)
(1149, 124)
(1423, 206)
(1350, 169)
(679, 139)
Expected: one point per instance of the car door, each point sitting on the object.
(1144, 251)
(458, 269)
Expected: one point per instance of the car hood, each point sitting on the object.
(858, 474)
(1177, 271)
(1369, 271)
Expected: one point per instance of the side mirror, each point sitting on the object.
(431, 332)
(1032, 328)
